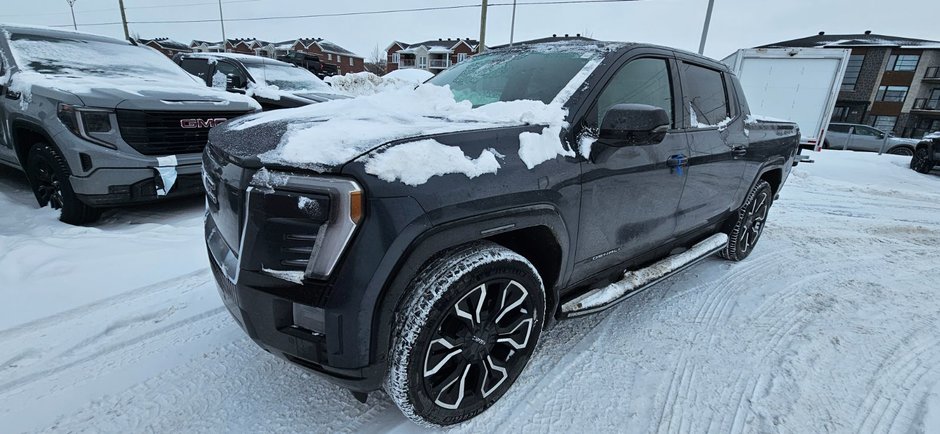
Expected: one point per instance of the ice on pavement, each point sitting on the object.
(833, 323)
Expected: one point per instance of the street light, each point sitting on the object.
(72, 7)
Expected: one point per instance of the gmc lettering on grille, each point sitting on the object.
(201, 123)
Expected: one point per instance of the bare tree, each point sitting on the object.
(376, 63)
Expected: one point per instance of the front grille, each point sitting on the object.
(162, 132)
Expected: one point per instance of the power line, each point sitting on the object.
(88, 11)
(347, 14)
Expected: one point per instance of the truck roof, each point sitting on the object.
(243, 58)
(25, 29)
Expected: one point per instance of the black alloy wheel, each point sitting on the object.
(749, 222)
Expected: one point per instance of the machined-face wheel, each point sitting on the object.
(464, 333)
(754, 221)
(476, 343)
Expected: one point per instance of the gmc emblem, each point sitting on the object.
(201, 123)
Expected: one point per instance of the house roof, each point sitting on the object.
(553, 38)
(439, 45)
(165, 43)
(867, 39)
(325, 46)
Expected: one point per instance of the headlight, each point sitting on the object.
(345, 213)
(92, 124)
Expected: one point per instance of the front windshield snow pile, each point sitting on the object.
(334, 132)
(288, 78)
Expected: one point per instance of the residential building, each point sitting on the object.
(434, 56)
(166, 46)
(891, 82)
(328, 52)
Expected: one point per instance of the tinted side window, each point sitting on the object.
(197, 67)
(642, 81)
(706, 98)
(839, 129)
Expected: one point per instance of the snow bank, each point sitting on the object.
(414, 163)
(367, 83)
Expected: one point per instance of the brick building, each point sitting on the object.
(166, 46)
(328, 52)
(433, 56)
(891, 83)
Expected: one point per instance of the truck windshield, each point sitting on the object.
(289, 78)
(513, 75)
(76, 57)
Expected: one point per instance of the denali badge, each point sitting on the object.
(200, 123)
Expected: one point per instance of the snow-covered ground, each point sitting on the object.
(833, 324)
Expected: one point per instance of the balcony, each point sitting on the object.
(406, 63)
(927, 106)
(440, 63)
(933, 74)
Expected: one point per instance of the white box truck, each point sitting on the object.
(796, 84)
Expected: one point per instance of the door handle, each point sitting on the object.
(738, 150)
(678, 160)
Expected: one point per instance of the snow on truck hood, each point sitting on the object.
(326, 135)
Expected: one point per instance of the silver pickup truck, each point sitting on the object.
(856, 137)
(97, 122)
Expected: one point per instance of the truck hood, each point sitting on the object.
(137, 93)
(323, 137)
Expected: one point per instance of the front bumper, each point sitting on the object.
(107, 187)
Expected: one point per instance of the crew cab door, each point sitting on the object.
(629, 193)
(718, 146)
(199, 67)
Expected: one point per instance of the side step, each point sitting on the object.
(635, 281)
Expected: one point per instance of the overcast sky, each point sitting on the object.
(678, 23)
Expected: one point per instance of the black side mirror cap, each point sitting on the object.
(233, 81)
(634, 124)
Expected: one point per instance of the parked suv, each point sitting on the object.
(97, 122)
(425, 253)
(274, 84)
(855, 137)
(927, 154)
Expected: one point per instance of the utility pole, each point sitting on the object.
(512, 28)
(72, 7)
(222, 22)
(708, 20)
(127, 34)
(482, 46)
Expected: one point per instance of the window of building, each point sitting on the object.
(423, 62)
(351, 62)
(339, 59)
(840, 114)
(461, 57)
(396, 57)
(903, 62)
(892, 93)
(706, 98)
(852, 70)
(885, 123)
(329, 56)
(642, 81)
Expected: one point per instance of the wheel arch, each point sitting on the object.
(536, 232)
(25, 134)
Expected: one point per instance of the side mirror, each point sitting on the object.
(634, 124)
(234, 81)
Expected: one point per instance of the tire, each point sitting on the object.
(749, 223)
(48, 174)
(901, 150)
(921, 161)
(449, 361)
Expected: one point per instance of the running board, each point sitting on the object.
(634, 282)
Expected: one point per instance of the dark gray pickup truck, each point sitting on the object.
(420, 240)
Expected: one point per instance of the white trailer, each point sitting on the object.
(796, 84)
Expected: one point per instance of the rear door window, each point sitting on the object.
(197, 67)
(705, 96)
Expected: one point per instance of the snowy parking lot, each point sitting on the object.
(833, 324)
